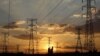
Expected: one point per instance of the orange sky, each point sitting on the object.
(56, 19)
(65, 39)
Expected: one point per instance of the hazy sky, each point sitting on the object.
(22, 9)
(46, 11)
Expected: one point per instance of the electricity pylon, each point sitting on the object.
(79, 44)
(33, 31)
(89, 28)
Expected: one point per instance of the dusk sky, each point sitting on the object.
(56, 12)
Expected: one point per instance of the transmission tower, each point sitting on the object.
(5, 42)
(18, 48)
(37, 45)
(49, 42)
(33, 31)
(79, 44)
(89, 28)
(50, 48)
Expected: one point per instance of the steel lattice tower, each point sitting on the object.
(79, 44)
(33, 31)
(18, 48)
(49, 42)
(89, 28)
(5, 42)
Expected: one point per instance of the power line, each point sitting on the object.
(53, 9)
(68, 17)
(64, 8)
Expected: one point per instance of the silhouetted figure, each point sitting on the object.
(50, 51)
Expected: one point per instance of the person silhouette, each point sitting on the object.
(50, 51)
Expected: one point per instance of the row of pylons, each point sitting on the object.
(89, 30)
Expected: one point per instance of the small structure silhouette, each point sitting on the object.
(50, 51)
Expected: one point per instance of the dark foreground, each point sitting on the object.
(55, 54)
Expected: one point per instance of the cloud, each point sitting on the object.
(96, 23)
(55, 28)
(11, 25)
(27, 36)
(43, 30)
(15, 24)
(20, 22)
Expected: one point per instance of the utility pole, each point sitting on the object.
(57, 44)
(50, 48)
(37, 38)
(5, 42)
(18, 46)
(49, 42)
(89, 28)
(79, 44)
(37, 45)
(33, 31)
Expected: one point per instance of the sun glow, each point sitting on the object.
(49, 46)
(46, 45)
